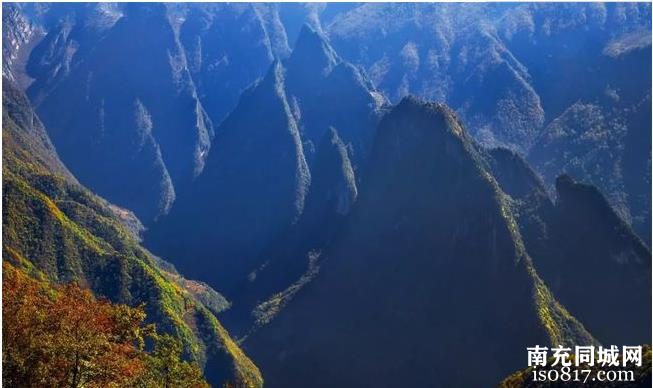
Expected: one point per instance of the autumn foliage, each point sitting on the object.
(56, 336)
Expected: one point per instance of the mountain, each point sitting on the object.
(511, 72)
(292, 260)
(569, 50)
(258, 149)
(183, 74)
(327, 91)
(68, 32)
(447, 53)
(604, 147)
(267, 145)
(524, 58)
(587, 233)
(595, 120)
(26, 138)
(578, 244)
(227, 48)
(429, 262)
(18, 38)
(356, 242)
(124, 124)
(54, 226)
(530, 77)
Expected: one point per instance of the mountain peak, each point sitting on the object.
(586, 232)
(413, 120)
(312, 51)
(413, 102)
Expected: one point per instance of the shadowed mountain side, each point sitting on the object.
(131, 123)
(567, 83)
(227, 47)
(603, 137)
(429, 264)
(325, 91)
(529, 200)
(293, 260)
(582, 248)
(593, 247)
(253, 187)
(25, 136)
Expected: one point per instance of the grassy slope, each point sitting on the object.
(54, 225)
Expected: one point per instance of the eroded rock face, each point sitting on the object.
(19, 35)
(227, 48)
(326, 91)
(131, 123)
(256, 182)
(254, 185)
(293, 259)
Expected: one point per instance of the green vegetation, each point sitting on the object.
(560, 326)
(56, 230)
(267, 310)
(61, 335)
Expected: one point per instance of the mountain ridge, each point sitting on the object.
(54, 226)
(337, 334)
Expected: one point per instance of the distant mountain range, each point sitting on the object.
(513, 73)
(375, 188)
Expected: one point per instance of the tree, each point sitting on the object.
(61, 335)
(165, 368)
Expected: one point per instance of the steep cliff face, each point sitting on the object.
(591, 246)
(19, 36)
(429, 259)
(68, 33)
(507, 70)
(293, 259)
(326, 91)
(228, 47)
(445, 53)
(515, 73)
(130, 123)
(256, 181)
(579, 243)
(253, 187)
(54, 226)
